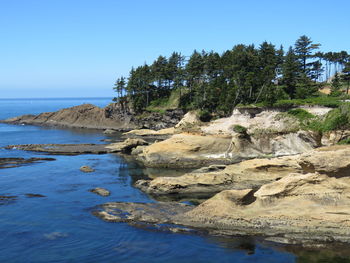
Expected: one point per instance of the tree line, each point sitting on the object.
(243, 75)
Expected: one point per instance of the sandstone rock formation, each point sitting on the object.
(307, 207)
(186, 151)
(246, 174)
(332, 161)
(296, 206)
(196, 150)
(126, 146)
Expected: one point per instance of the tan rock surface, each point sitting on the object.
(126, 146)
(186, 151)
(246, 174)
(311, 206)
(148, 132)
(332, 161)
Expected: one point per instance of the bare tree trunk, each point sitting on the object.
(262, 88)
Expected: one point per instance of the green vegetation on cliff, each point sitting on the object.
(244, 75)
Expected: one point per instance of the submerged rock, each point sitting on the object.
(157, 213)
(100, 191)
(15, 162)
(34, 195)
(86, 169)
(110, 131)
(7, 199)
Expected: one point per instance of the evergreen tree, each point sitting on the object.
(336, 85)
(346, 76)
(159, 71)
(304, 49)
(290, 72)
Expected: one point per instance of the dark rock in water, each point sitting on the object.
(100, 191)
(7, 199)
(34, 195)
(86, 169)
(65, 149)
(15, 162)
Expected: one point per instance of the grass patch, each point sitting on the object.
(326, 101)
(167, 103)
(239, 129)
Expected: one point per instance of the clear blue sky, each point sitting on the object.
(74, 48)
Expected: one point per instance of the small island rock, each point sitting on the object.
(86, 169)
(100, 191)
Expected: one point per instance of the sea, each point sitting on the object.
(59, 227)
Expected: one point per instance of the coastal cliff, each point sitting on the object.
(116, 116)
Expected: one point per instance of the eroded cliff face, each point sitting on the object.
(268, 133)
(196, 150)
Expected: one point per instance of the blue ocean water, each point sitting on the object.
(60, 227)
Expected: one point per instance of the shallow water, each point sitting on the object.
(60, 228)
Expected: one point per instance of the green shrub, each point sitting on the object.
(344, 141)
(205, 116)
(239, 129)
(335, 120)
(301, 114)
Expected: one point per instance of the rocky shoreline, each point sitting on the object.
(273, 179)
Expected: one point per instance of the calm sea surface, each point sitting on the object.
(60, 228)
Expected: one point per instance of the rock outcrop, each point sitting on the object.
(126, 146)
(246, 174)
(305, 207)
(186, 151)
(294, 205)
(197, 150)
(82, 116)
(331, 161)
(114, 117)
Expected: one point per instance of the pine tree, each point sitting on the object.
(290, 72)
(304, 50)
(346, 76)
(336, 85)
